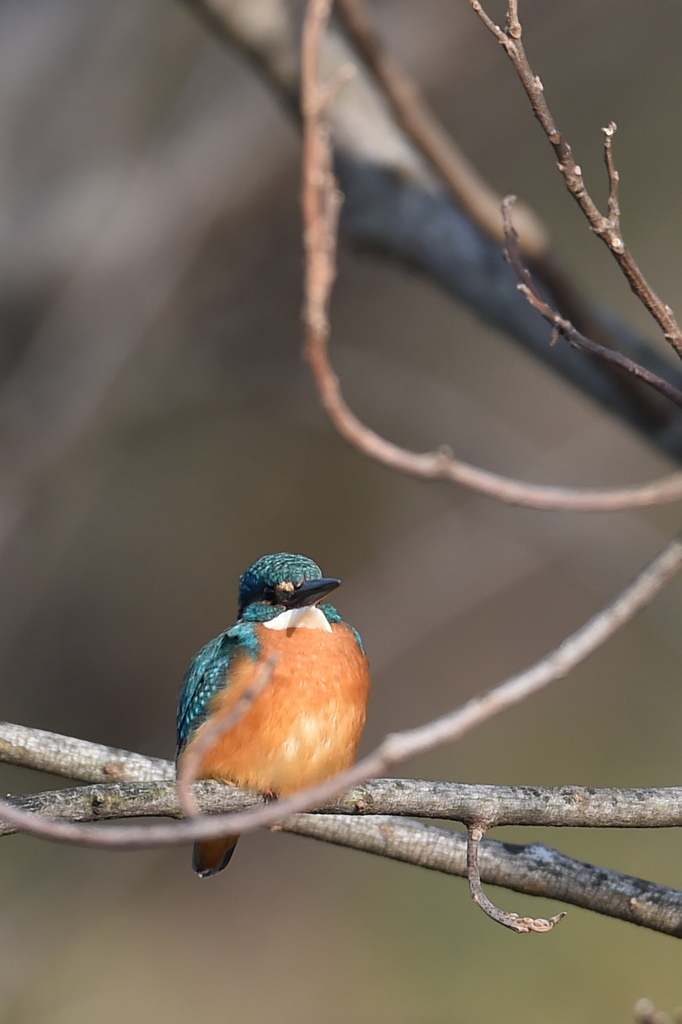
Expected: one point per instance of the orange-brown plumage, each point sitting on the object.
(306, 724)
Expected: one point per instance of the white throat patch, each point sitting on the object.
(295, 618)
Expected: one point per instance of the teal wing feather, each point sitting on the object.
(207, 674)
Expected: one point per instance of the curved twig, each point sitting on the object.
(521, 925)
(320, 201)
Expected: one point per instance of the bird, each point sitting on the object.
(306, 724)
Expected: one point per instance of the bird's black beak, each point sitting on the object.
(310, 592)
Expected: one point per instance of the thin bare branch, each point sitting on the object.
(396, 748)
(612, 174)
(396, 207)
(563, 326)
(607, 228)
(214, 729)
(441, 465)
(320, 202)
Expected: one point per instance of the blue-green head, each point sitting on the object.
(276, 583)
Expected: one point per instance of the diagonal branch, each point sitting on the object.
(482, 203)
(533, 870)
(562, 325)
(320, 202)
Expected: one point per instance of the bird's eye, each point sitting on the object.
(269, 594)
(280, 593)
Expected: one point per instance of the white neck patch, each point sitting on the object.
(309, 617)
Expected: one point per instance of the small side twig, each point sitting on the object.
(563, 326)
(215, 728)
(613, 175)
(522, 925)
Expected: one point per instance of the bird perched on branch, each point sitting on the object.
(305, 724)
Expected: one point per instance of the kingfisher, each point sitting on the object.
(306, 724)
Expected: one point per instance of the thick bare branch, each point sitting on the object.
(136, 777)
(396, 748)
(542, 871)
(76, 759)
(132, 795)
(534, 870)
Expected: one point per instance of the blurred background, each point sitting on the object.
(158, 432)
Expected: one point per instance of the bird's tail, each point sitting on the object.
(212, 855)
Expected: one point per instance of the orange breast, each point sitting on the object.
(306, 725)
